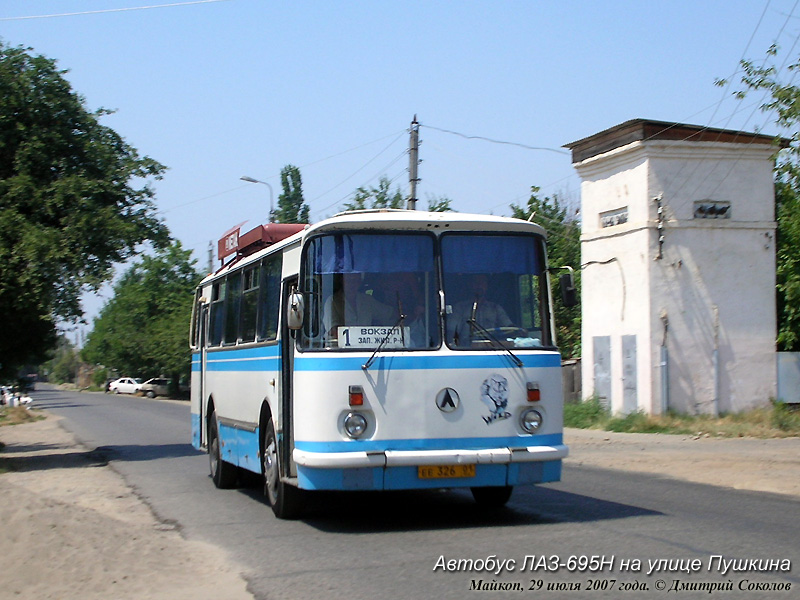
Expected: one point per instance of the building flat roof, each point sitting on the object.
(638, 130)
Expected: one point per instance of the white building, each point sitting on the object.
(678, 277)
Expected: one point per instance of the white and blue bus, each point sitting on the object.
(379, 350)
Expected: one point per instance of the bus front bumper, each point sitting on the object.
(413, 458)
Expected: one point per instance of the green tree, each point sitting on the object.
(377, 197)
(563, 249)
(291, 206)
(440, 204)
(63, 367)
(785, 104)
(142, 331)
(74, 200)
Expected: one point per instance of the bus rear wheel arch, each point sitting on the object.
(223, 474)
(286, 500)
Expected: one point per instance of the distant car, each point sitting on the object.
(158, 386)
(125, 385)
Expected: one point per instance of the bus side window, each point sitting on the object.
(270, 298)
(194, 331)
(529, 299)
(217, 312)
(249, 305)
(232, 308)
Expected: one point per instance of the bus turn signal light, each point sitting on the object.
(533, 392)
(356, 395)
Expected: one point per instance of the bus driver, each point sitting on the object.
(487, 314)
(350, 306)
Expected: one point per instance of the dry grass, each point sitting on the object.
(14, 415)
(775, 421)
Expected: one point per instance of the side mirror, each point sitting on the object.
(296, 310)
(569, 295)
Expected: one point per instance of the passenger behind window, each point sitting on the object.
(349, 305)
(487, 314)
(402, 292)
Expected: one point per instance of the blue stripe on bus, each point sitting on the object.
(244, 353)
(262, 364)
(268, 358)
(552, 439)
(259, 358)
(427, 362)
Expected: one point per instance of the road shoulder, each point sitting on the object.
(78, 531)
(761, 465)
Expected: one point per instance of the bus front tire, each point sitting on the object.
(492, 497)
(285, 499)
(223, 474)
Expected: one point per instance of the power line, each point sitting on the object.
(493, 141)
(110, 10)
(380, 139)
(764, 96)
(166, 210)
(357, 171)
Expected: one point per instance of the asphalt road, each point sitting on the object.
(421, 544)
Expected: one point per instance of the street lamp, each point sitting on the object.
(271, 194)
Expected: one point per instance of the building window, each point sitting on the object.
(712, 209)
(610, 218)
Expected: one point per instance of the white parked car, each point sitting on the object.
(158, 386)
(125, 385)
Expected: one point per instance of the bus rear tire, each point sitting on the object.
(223, 474)
(285, 499)
(492, 497)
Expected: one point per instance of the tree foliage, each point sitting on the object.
(377, 197)
(440, 204)
(785, 104)
(563, 249)
(63, 367)
(74, 200)
(382, 196)
(143, 330)
(291, 205)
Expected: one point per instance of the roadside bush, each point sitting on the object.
(778, 420)
(786, 417)
(585, 415)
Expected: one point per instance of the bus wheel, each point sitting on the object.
(492, 497)
(285, 499)
(224, 474)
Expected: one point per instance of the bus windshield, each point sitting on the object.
(365, 290)
(495, 291)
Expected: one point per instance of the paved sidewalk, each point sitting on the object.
(771, 465)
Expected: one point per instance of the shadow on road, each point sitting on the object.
(46, 398)
(370, 512)
(43, 456)
(48, 457)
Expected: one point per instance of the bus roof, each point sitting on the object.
(388, 219)
(416, 219)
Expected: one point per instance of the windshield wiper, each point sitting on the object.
(400, 321)
(475, 326)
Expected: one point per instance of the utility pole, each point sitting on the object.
(413, 161)
(210, 257)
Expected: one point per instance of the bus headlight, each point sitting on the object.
(355, 424)
(531, 420)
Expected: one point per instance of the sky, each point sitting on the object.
(220, 89)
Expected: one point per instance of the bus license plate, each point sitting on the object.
(446, 471)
